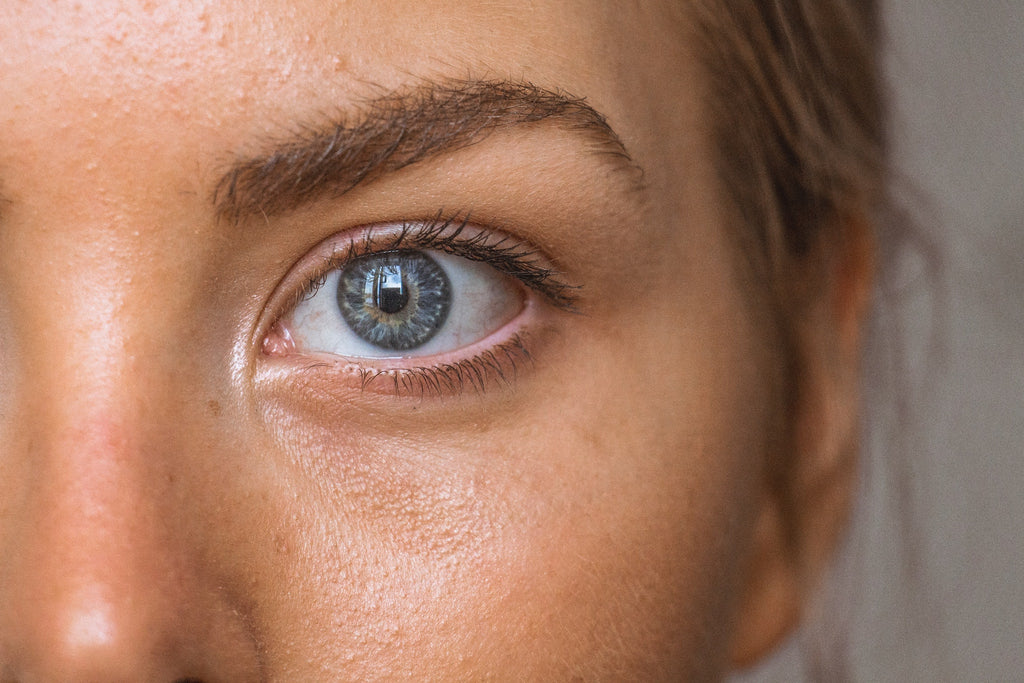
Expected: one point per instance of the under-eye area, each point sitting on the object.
(420, 308)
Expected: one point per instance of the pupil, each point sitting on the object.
(394, 300)
(390, 294)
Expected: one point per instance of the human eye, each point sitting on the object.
(422, 307)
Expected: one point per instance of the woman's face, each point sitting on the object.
(240, 443)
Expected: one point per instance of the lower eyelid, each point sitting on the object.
(492, 363)
(499, 364)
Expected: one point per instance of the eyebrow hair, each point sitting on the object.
(395, 131)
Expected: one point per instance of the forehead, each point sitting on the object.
(224, 53)
(218, 63)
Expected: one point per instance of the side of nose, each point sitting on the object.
(99, 578)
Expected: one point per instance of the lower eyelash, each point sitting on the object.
(498, 365)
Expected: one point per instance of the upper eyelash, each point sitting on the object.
(447, 234)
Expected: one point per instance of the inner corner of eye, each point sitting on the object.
(278, 341)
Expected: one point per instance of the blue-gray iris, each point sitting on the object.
(396, 300)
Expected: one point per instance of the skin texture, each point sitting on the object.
(175, 502)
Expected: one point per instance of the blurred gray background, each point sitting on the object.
(958, 79)
(937, 556)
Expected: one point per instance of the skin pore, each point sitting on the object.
(181, 498)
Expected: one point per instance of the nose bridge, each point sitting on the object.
(90, 565)
(89, 480)
(88, 449)
(85, 518)
(89, 358)
(100, 575)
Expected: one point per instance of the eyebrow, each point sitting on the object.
(395, 131)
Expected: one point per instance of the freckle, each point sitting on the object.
(214, 407)
(281, 544)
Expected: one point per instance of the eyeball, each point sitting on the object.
(403, 304)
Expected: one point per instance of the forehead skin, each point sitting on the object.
(235, 74)
(169, 512)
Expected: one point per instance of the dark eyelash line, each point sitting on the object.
(449, 235)
(498, 364)
(502, 254)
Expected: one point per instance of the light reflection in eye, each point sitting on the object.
(402, 304)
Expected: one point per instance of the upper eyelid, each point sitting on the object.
(458, 236)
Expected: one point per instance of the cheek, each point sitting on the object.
(656, 492)
(594, 529)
